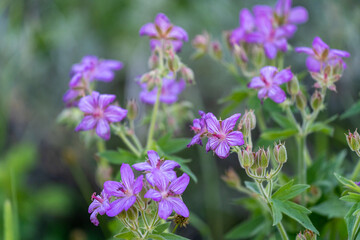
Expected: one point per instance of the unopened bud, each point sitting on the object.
(240, 54)
(247, 122)
(132, 214)
(280, 153)
(264, 157)
(187, 74)
(300, 101)
(132, 108)
(246, 158)
(216, 50)
(153, 60)
(173, 61)
(316, 100)
(353, 140)
(201, 42)
(231, 178)
(293, 86)
(306, 235)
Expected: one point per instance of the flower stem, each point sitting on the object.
(174, 230)
(301, 141)
(356, 172)
(282, 231)
(127, 142)
(134, 137)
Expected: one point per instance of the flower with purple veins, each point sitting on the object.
(126, 191)
(320, 55)
(168, 196)
(99, 205)
(169, 91)
(199, 128)
(99, 113)
(247, 25)
(163, 31)
(92, 68)
(268, 83)
(154, 165)
(222, 135)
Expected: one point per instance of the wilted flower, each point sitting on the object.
(126, 191)
(163, 30)
(155, 166)
(268, 83)
(99, 205)
(168, 196)
(99, 113)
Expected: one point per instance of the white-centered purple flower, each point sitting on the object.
(125, 191)
(199, 128)
(99, 114)
(99, 205)
(269, 81)
(168, 196)
(92, 68)
(170, 90)
(221, 134)
(247, 25)
(320, 55)
(154, 166)
(163, 31)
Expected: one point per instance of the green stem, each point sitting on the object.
(174, 230)
(301, 141)
(128, 143)
(134, 137)
(282, 231)
(356, 171)
(260, 120)
(153, 119)
(356, 227)
(15, 203)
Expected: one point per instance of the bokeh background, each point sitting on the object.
(40, 40)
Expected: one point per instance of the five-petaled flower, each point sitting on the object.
(168, 196)
(154, 166)
(162, 31)
(320, 55)
(268, 83)
(221, 134)
(99, 113)
(126, 191)
(99, 205)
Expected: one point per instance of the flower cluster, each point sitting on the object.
(162, 186)
(268, 83)
(270, 27)
(220, 133)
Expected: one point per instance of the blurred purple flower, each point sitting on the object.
(168, 196)
(163, 30)
(357, 183)
(268, 83)
(169, 91)
(91, 68)
(125, 191)
(98, 114)
(247, 25)
(222, 135)
(199, 128)
(320, 55)
(76, 91)
(99, 205)
(154, 165)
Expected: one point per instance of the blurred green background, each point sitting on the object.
(40, 40)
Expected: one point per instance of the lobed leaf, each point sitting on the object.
(119, 157)
(162, 227)
(289, 191)
(171, 236)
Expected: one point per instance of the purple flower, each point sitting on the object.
(357, 183)
(126, 191)
(199, 128)
(91, 68)
(247, 25)
(222, 135)
(98, 114)
(99, 205)
(163, 31)
(168, 196)
(169, 91)
(76, 91)
(154, 166)
(320, 55)
(268, 83)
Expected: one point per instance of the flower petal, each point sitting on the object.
(153, 158)
(153, 194)
(93, 218)
(87, 104)
(165, 209)
(103, 129)
(105, 100)
(195, 140)
(283, 76)
(270, 50)
(113, 188)
(138, 184)
(75, 80)
(178, 33)
(112, 64)
(313, 65)
(246, 20)
(319, 45)
(162, 21)
(94, 204)
(161, 181)
(256, 82)
(229, 123)
(222, 150)
(148, 29)
(298, 15)
(179, 185)
(169, 165)
(127, 176)
(235, 138)
(277, 94)
(262, 93)
(306, 50)
(144, 166)
(87, 123)
(340, 53)
(119, 205)
(115, 114)
(212, 123)
(179, 206)
(268, 73)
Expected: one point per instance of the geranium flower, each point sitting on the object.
(99, 205)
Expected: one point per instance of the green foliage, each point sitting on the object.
(126, 235)
(9, 227)
(353, 110)
(171, 145)
(348, 183)
(119, 157)
(278, 134)
(200, 225)
(234, 99)
(171, 236)
(162, 227)
(289, 191)
(352, 221)
(332, 208)
(249, 228)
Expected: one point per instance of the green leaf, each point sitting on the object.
(156, 237)
(332, 208)
(351, 197)
(347, 183)
(296, 212)
(171, 236)
(283, 121)
(237, 95)
(119, 157)
(169, 145)
(162, 227)
(247, 229)
(350, 220)
(276, 214)
(289, 191)
(278, 134)
(9, 228)
(353, 110)
(321, 127)
(126, 235)
(252, 186)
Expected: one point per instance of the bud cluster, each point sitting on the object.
(306, 235)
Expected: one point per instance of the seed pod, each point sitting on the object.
(132, 108)
(300, 101)
(246, 158)
(316, 100)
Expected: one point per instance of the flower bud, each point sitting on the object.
(246, 158)
(240, 54)
(247, 122)
(293, 86)
(231, 178)
(153, 61)
(300, 101)
(201, 42)
(306, 235)
(316, 100)
(132, 108)
(132, 213)
(353, 140)
(216, 50)
(173, 61)
(280, 153)
(264, 157)
(187, 74)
